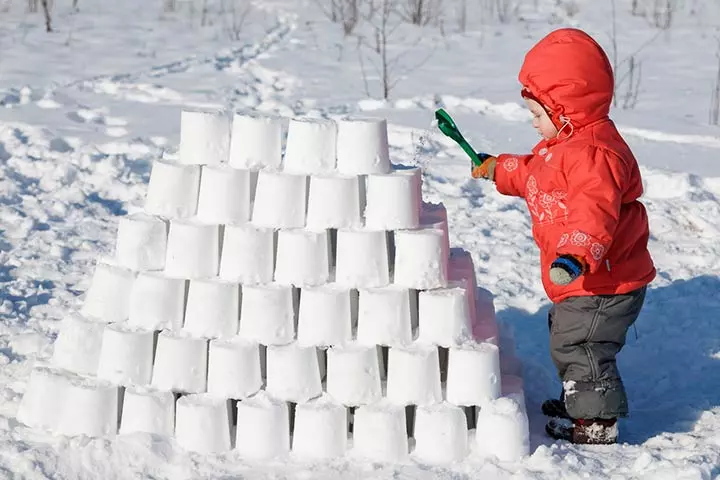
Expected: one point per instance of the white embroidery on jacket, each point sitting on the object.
(597, 251)
(511, 164)
(546, 207)
(563, 240)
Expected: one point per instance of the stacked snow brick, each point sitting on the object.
(305, 304)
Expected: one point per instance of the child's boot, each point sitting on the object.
(583, 431)
(554, 408)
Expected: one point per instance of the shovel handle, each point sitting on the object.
(452, 131)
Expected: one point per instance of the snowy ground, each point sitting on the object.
(85, 110)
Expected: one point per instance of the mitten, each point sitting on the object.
(566, 269)
(486, 169)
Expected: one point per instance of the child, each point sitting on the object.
(581, 185)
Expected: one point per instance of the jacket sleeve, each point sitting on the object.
(511, 174)
(596, 182)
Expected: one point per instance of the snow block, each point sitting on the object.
(362, 258)
(224, 195)
(256, 142)
(434, 215)
(334, 202)
(441, 434)
(380, 433)
(310, 146)
(362, 146)
(414, 375)
(204, 137)
(107, 299)
(213, 308)
(202, 423)
(141, 242)
(78, 345)
(473, 374)
(444, 315)
(180, 363)
(393, 200)
(148, 411)
(126, 357)
(157, 302)
(248, 254)
(321, 430)
(234, 368)
(385, 316)
(421, 260)
(462, 269)
(263, 428)
(267, 314)
(502, 431)
(280, 200)
(41, 404)
(303, 257)
(89, 407)
(173, 190)
(293, 373)
(353, 374)
(325, 316)
(193, 249)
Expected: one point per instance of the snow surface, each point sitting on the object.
(84, 112)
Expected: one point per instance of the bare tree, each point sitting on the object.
(663, 13)
(46, 12)
(32, 6)
(421, 12)
(169, 6)
(506, 10)
(631, 64)
(633, 77)
(569, 7)
(234, 14)
(344, 12)
(462, 16)
(501, 10)
(635, 9)
(715, 95)
(614, 48)
(384, 24)
(204, 14)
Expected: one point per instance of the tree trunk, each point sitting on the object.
(48, 19)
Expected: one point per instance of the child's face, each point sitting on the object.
(541, 120)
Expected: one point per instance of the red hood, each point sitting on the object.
(570, 73)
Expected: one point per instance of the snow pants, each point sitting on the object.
(586, 333)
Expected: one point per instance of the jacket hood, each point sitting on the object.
(569, 72)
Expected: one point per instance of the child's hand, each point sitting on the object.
(566, 269)
(486, 169)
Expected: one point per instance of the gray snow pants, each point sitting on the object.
(585, 335)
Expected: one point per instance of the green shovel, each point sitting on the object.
(448, 127)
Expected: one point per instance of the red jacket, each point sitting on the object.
(582, 188)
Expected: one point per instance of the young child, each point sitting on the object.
(581, 184)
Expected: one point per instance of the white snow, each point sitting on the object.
(362, 146)
(303, 257)
(85, 110)
(310, 146)
(393, 200)
(280, 200)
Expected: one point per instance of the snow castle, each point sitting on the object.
(304, 304)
